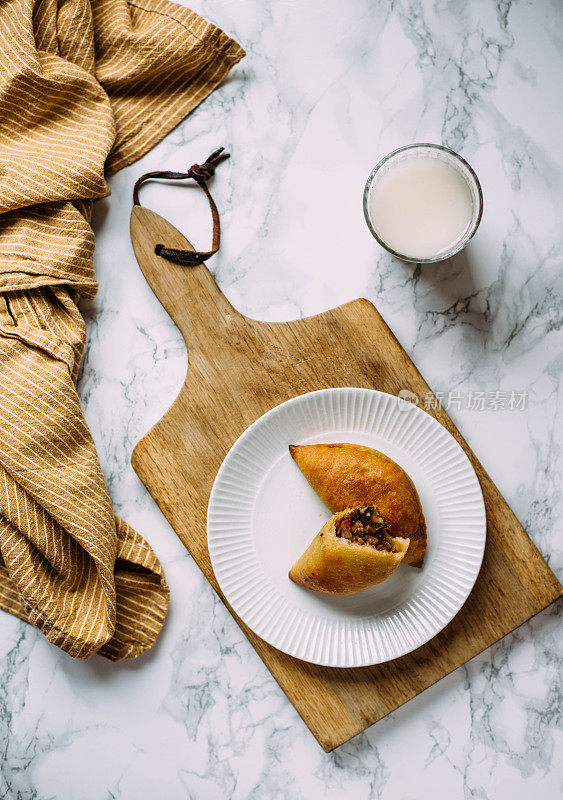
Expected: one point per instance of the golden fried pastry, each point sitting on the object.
(350, 475)
(352, 552)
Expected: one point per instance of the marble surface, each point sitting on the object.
(326, 89)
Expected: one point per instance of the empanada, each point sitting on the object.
(350, 475)
(352, 552)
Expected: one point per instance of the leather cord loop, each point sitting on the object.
(200, 173)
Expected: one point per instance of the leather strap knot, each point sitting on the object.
(200, 173)
(204, 172)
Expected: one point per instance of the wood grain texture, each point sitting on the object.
(239, 369)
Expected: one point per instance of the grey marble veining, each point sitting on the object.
(325, 90)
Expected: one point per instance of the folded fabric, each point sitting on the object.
(86, 87)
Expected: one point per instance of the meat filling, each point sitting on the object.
(365, 526)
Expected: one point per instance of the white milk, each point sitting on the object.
(420, 207)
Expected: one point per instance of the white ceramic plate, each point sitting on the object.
(262, 515)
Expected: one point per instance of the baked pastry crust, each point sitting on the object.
(336, 565)
(350, 475)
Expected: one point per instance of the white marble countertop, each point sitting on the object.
(326, 89)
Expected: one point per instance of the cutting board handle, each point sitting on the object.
(187, 293)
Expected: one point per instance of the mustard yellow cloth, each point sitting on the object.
(86, 87)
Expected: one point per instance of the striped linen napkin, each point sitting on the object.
(86, 87)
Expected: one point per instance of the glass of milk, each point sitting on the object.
(423, 202)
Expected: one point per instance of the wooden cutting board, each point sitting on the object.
(240, 368)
